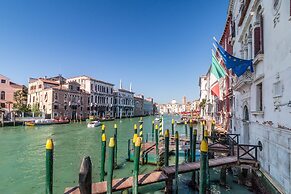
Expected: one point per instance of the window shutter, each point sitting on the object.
(257, 40)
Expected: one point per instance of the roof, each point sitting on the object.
(90, 78)
(124, 90)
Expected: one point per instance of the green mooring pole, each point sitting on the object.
(191, 142)
(103, 129)
(173, 126)
(176, 161)
(49, 166)
(153, 131)
(115, 151)
(203, 163)
(103, 155)
(186, 130)
(110, 165)
(136, 165)
(135, 129)
(167, 142)
(157, 145)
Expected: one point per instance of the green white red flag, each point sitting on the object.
(216, 72)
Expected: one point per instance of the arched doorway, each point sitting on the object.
(246, 129)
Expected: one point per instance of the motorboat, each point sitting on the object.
(93, 124)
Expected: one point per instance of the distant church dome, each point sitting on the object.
(174, 101)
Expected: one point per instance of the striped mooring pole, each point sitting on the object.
(157, 145)
(49, 166)
(203, 166)
(136, 165)
(110, 165)
(176, 161)
(141, 132)
(103, 155)
(161, 129)
(115, 151)
(173, 127)
(167, 142)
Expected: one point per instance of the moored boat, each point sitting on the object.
(93, 124)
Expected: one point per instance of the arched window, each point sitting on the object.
(2, 95)
(250, 43)
(258, 33)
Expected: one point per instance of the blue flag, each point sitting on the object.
(238, 66)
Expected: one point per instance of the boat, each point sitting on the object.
(93, 124)
(39, 122)
(181, 122)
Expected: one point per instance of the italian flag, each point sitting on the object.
(216, 73)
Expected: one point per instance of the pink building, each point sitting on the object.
(7, 90)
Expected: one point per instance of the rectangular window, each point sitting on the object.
(2, 105)
(259, 89)
(3, 81)
(56, 107)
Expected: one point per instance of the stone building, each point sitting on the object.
(55, 99)
(138, 105)
(261, 102)
(123, 103)
(101, 95)
(7, 90)
(148, 106)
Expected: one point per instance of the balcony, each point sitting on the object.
(245, 80)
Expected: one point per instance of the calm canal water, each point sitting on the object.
(22, 151)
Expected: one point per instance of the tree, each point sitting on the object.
(202, 104)
(20, 98)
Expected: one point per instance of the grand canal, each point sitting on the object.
(22, 163)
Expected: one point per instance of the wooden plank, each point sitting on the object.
(188, 167)
(122, 183)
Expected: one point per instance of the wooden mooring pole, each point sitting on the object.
(103, 129)
(85, 176)
(136, 165)
(203, 161)
(103, 154)
(167, 141)
(49, 166)
(135, 129)
(115, 151)
(157, 145)
(173, 126)
(186, 129)
(191, 142)
(194, 159)
(176, 161)
(153, 131)
(110, 165)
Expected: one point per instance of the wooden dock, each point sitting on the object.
(122, 183)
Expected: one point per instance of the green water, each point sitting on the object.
(22, 151)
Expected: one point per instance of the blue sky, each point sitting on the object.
(161, 46)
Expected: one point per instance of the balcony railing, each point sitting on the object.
(245, 79)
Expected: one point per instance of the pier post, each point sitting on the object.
(110, 165)
(115, 138)
(203, 128)
(133, 140)
(135, 129)
(186, 130)
(222, 181)
(153, 131)
(103, 154)
(128, 149)
(157, 145)
(173, 126)
(85, 176)
(207, 162)
(194, 159)
(161, 129)
(136, 165)
(176, 161)
(103, 129)
(49, 166)
(212, 126)
(167, 141)
(203, 161)
(141, 133)
(191, 142)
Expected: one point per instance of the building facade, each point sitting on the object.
(261, 102)
(123, 103)
(138, 105)
(148, 106)
(7, 90)
(55, 99)
(101, 95)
